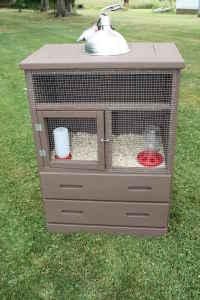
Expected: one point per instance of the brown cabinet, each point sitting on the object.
(93, 119)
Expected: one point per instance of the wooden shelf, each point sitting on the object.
(117, 106)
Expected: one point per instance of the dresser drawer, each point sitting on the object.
(106, 213)
(136, 188)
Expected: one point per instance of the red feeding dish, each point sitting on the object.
(69, 157)
(149, 158)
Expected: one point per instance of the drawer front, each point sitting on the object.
(106, 213)
(136, 188)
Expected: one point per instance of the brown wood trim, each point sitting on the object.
(138, 231)
(34, 119)
(72, 56)
(137, 171)
(44, 138)
(64, 106)
(105, 70)
(68, 114)
(119, 106)
(108, 136)
(108, 153)
(100, 136)
(75, 164)
(140, 170)
(173, 120)
(87, 165)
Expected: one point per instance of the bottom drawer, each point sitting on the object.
(98, 213)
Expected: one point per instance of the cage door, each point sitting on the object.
(137, 140)
(72, 139)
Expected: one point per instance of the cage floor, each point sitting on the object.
(83, 146)
(125, 149)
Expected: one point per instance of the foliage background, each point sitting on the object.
(136, 4)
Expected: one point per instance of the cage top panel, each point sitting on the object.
(73, 56)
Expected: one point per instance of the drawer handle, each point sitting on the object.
(71, 186)
(131, 214)
(140, 188)
(66, 211)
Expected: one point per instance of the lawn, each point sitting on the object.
(35, 264)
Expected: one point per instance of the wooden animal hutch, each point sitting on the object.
(106, 104)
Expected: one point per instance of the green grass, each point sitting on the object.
(35, 264)
(137, 4)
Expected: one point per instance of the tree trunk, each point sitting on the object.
(64, 7)
(60, 8)
(44, 6)
(68, 5)
(198, 14)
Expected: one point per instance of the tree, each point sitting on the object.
(60, 8)
(20, 4)
(64, 7)
(198, 14)
(44, 5)
(126, 2)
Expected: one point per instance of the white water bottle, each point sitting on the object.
(61, 141)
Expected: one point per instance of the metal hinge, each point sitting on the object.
(104, 140)
(38, 127)
(42, 152)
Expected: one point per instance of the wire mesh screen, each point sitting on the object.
(73, 139)
(140, 139)
(103, 87)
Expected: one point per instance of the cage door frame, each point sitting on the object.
(99, 164)
(108, 152)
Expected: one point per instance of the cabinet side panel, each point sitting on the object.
(34, 118)
(173, 120)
